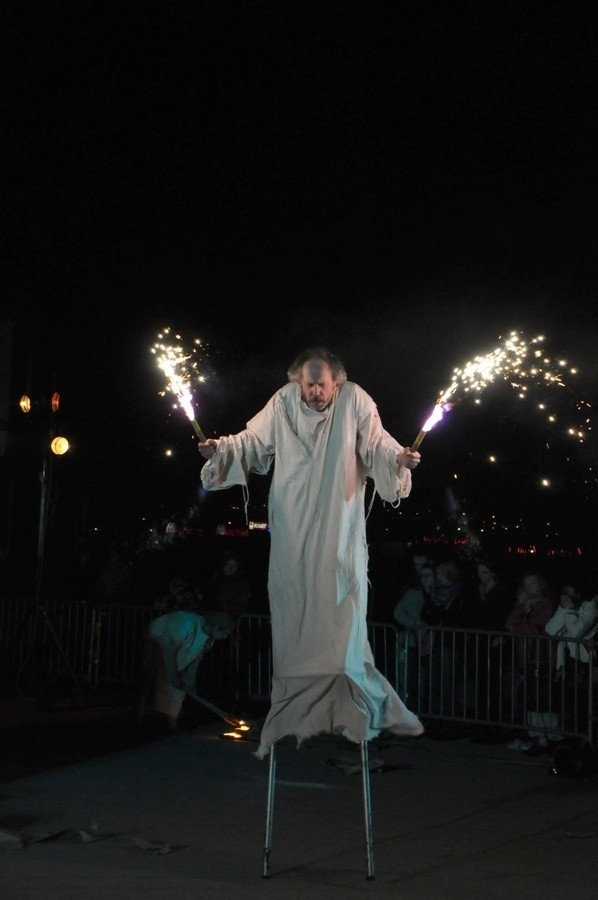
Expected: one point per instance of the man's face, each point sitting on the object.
(317, 384)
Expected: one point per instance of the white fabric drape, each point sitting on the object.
(324, 677)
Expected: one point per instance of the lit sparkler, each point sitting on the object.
(436, 415)
(516, 361)
(180, 369)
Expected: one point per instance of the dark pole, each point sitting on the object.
(41, 534)
(41, 546)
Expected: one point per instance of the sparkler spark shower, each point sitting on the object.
(516, 361)
(180, 369)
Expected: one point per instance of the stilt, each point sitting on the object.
(367, 809)
(269, 813)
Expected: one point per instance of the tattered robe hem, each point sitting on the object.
(335, 704)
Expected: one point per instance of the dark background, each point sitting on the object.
(405, 183)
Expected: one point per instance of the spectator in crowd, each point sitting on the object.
(180, 596)
(591, 636)
(531, 612)
(529, 682)
(228, 594)
(228, 590)
(386, 589)
(113, 583)
(496, 600)
(453, 605)
(407, 614)
(496, 595)
(418, 559)
(575, 616)
(591, 644)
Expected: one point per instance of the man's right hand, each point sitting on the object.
(208, 448)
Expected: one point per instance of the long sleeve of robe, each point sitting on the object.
(324, 677)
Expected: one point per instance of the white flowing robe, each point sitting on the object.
(324, 677)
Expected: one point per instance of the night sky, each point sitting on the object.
(404, 183)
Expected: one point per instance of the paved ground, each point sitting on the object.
(183, 816)
(36, 736)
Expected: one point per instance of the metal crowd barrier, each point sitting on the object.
(103, 644)
(459, 675)
(55, 639)
(498, 679)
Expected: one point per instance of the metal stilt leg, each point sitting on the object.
(269, 813)
(367, 809)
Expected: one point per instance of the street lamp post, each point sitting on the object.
(53, 446)
(41, 533)
(57, 445)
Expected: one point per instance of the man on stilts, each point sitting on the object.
(325, 438)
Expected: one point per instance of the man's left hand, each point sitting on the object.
(409, 459)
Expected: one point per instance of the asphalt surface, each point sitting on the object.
(91, 806)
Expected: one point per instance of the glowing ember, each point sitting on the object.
(181, 369)
(518, 362)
